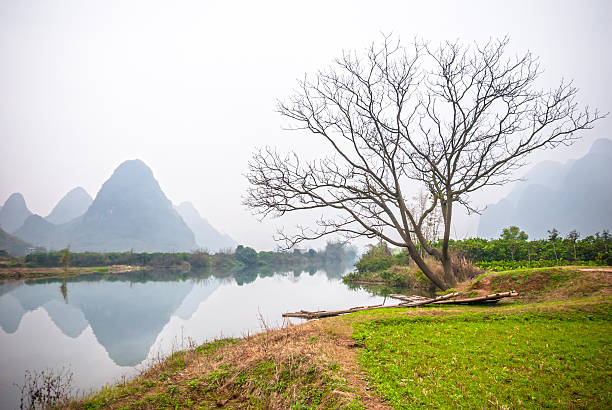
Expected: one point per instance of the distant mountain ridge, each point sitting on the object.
(37, 230)
(130, 212)
(575, 195)
(72, 205)
(13, 213)
(12, 244)
(206, 236)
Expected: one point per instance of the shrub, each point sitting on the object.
(200, 259)
(378, 258)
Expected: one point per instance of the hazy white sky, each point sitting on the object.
(190, 87)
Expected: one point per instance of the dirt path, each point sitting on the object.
(606, 270)
(343, 351)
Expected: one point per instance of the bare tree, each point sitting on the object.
(452, 119)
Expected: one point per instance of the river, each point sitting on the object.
(102, 328)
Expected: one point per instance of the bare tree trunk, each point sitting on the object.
(414, 254)
(449, 275)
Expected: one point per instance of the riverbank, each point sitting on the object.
(549, 347)
(8, 273)
(396, 276)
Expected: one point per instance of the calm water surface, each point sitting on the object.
(105, 327)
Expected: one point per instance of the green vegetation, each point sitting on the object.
(394, 277)
(394, 269)
(498, 266)
(380, 265)
(486, 357)
(549, 348)
(65, 258)
(512, 246)
(377, 258)
(245, 263)
(243, 257)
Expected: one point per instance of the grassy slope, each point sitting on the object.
(535, 352)
(294, 367)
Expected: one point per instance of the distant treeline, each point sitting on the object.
(229, 261)
(514, 246)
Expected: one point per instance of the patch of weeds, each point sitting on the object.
(173, 389)
(147, 383)
(210, 347)
(176, 361)
(217, 376)
(45, 388)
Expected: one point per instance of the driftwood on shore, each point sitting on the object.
(481, 299)
(304, 314)
(408, 301)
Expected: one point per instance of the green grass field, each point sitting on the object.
(502, 357)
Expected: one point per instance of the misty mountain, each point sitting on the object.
(13, 213)
(39, 231)
(575, 195)
(72, 205)
(130, 212)
(206, 235)
(12, 244)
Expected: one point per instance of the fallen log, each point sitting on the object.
(412, 298)
(426, 301)
(486, 299)
(304, 314)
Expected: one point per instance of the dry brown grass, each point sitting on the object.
(312, 363)
(463, 268)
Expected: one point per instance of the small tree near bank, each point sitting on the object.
(513, 236)
(451, 119)
(65, 258)
(553, 237)
(573, 236)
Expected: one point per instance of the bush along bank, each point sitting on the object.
(394, 269)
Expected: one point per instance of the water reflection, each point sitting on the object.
(112, 323)
(126, 313)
